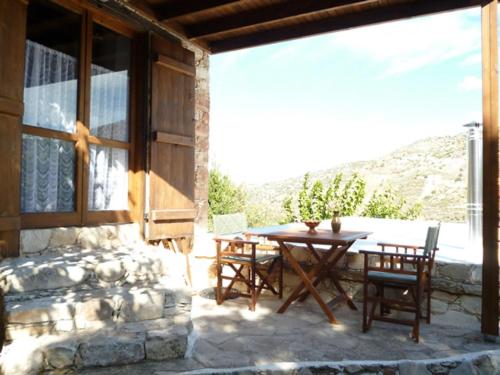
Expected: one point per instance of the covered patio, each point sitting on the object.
(95, 286)
(231, 339)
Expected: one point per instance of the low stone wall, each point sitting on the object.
(477, 363)
(38, 241)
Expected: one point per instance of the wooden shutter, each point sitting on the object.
(171, 174)
(12, 45)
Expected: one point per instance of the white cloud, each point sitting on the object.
(470, 83)
(408, 45)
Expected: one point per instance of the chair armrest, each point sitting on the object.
(386, 253)
(235, 241)
(267, 247)
(389, 244)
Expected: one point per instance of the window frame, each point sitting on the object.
(82, 137)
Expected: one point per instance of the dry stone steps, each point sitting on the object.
(77, 308)
(125, 344)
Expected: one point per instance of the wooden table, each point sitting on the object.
(326, 259)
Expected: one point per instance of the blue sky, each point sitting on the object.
(287, 108)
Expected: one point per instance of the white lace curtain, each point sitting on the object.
(109, 104)
(50, 88)
(48, 165)
(108, 175)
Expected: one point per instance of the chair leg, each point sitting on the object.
(429, 293)
(218, 290)
(365, 306)
(418, 309)
(253, 288)
(248, 276)
(280, 285)
(382, 306)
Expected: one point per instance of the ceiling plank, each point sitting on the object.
(270, 13)
(180, 8)
(335, 23)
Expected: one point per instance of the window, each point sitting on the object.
(76, 122)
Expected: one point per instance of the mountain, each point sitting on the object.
(431, 171)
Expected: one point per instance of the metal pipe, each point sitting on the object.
(475, 184)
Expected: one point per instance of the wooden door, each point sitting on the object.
(12, 44)
(171, 174)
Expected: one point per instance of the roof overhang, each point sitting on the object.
(227, 25)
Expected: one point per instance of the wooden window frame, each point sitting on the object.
(82, 137)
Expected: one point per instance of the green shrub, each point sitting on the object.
(224, 196)
(389, 204)
(316, 203)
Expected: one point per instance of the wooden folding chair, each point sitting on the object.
(258, 271)
(400, 267)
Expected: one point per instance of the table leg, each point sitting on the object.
(324, 269)
(312, 273)
(327, 271)
(342, 291)
(308, 284)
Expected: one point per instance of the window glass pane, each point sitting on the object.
(51, 67)
(48, 175)
(109, 96)
(108, 178)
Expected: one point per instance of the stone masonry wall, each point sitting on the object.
(202, 117)
(38, 241)
(202, 113)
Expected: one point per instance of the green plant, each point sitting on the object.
(389, 204)
(224, 196)
(316, 203)
(261, 215)
(352, 195)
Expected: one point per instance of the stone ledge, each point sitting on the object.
(487, 362)
(78, 267)
(97, 309)
(85, 349)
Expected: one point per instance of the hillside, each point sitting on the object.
(431, 171)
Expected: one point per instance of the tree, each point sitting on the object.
(390, 205)
(352, 195)
(316, 203)
(224, 196)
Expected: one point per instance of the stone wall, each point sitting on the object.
(38, 241)
(477, 363)
(202, 113)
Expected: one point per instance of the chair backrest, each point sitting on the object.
(230, 224)
(432, 239)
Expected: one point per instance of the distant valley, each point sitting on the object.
(431, 171)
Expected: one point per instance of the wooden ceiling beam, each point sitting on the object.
(178, 8)
(274, 12)
(335, 23)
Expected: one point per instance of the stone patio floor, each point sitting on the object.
(232, 336)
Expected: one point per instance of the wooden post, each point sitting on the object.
(12, 45)
(489, 316)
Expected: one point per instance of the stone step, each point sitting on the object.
(35, 316)
(68, 267)
(124, 344)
